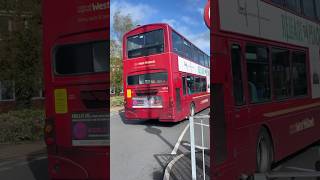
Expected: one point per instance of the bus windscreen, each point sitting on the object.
(82, 58)
(152, 78)
(145, 44)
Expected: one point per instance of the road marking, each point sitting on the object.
(301, 169)
(169, 167)
(277, 168)
(8, 162)
(4, 169)
(176, 147)
(198, 147)
(22, 163)
(202, 124)
(202, 117)
(15, 163)
(40, 158)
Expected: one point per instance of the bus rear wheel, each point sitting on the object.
(264, 152)
(192, 109)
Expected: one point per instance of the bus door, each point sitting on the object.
(221, 131)
(178, 95)
(184, 99)
(239, 118)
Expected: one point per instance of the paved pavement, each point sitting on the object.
(143, 149)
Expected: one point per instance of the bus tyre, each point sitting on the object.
(264, 152)
(192, 109)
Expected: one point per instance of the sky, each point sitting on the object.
(185, 16)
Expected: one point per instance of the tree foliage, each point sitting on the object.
(121, 25)
(20, 49)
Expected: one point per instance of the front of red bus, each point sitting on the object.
(147, 73)
(76, 66)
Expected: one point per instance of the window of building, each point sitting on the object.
(237, 75)
(258, 73)
(299, 74)
(281, 73)
(318, 9)
(38, 94)
(4, 28)
(294, 5)
(112, 90)
(309, 8)
(7, 91)
(278, 2)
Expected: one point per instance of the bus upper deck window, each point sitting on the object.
(81, 58)
(145, 44)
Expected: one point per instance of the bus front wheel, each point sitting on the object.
(264, 152)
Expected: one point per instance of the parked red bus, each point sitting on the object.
(163, 72)
(265, 69)
(76, 66)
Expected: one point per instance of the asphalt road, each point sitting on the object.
(25, 168)
(303, 161)
(142, 149)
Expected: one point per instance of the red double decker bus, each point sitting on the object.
(265, 70)
(76, 66)
(165, 76)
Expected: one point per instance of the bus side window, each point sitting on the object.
(184, 85)
(237, 75)
(258, 73)
(190, 85)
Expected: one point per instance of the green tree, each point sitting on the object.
(121, 25)
(20, 49)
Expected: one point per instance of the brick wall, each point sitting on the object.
(6, 106)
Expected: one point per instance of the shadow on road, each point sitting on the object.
(163, 160)
(38, 167)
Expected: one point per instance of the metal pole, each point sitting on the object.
(193, 151)
(317, 164)
(203, 161)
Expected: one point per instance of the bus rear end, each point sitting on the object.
(76, 66)
(147, 74)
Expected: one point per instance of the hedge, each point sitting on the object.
(117, 101)
(22, 125)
